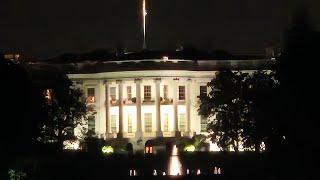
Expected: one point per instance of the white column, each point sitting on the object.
(107, 104)
(138, 106)
(102, 109)
(175, 107)
(188, 107)
(120, 91)
(158, 113)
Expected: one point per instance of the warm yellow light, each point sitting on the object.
(189, 148)
(107, 149)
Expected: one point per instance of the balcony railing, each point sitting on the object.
(114, 102)
(130, 101)
(148, 100)
(165, 101)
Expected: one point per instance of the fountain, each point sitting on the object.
(175, 167)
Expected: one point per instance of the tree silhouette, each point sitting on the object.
(65, 109)
(261, 97)
(298, 75)
(226, 108)
(19, 126)
(242, 107)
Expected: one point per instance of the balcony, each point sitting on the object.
(148, 101)
(114, 102)
(166, 101)
(130, 101)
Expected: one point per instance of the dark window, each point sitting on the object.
(147, 93)
(182, 93)
(203, 91)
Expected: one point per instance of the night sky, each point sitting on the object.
(47, 28)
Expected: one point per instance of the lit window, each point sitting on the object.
(113, 93)
(90, 95)
(113, 123)
(203, 91)
(129, 94)
(203, 124)
(129, 123)
(147, 93)
(166, 123)
(48, 94)
(165, 91)
(182, 122)
(148, 122)
(182, 93)
(91, 124)
(148, 149)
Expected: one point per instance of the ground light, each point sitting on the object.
(107, 150)
(189, 148)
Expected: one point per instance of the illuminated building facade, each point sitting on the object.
(150, 98)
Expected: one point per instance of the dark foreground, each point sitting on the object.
(73, 165)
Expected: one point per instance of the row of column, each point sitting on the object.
(159, 132)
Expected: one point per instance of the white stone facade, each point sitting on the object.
(165, 112)
(151, 102)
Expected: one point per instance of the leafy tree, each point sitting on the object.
(226, 108)
(65, 108)
(261, 122)
(243, 108)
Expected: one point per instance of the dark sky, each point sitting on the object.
(47, 28)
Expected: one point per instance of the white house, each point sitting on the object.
(146, 98)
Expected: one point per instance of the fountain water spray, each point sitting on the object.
(175, 167)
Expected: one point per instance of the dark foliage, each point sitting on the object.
(298, 75)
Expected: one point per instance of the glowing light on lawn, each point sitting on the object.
(215, 171)
(219, 171)
(189, 148)
(262, 146)
(71, 145)
(107, 149)
(198, 172)
(174, 163)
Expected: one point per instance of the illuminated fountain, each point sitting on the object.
(175, 167)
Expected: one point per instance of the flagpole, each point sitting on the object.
(144, 16)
